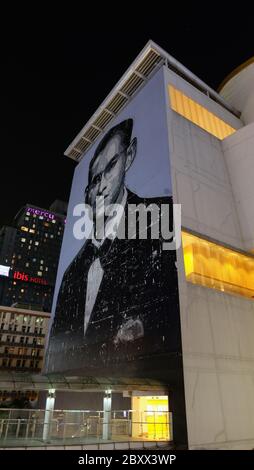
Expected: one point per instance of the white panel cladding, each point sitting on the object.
(239, 155)
(217, 328)
(218, 357)
(202, 183)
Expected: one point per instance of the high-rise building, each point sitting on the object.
(29, 254)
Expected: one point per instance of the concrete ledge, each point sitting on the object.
(148, 445)
(98, 446)
(136, 445)
(90, 447)
(122, 445)
(55, 448)
(76, 447)
(109, 446)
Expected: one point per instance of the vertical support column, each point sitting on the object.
(107, 404)
(49, 408)
(178, 410)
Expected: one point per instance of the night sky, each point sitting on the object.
(57, 74)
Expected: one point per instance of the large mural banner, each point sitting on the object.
(116, 307)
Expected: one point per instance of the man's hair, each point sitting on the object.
(124, 129)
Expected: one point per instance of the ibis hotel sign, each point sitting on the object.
(27, 278)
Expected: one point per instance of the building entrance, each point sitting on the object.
(151, 419)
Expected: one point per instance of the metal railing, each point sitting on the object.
(35, 427)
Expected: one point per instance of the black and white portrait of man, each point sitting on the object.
(118, 300)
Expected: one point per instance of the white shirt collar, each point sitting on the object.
(112, 224)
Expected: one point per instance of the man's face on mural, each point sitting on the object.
(108, 172)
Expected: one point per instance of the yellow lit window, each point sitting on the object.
(25, 229)
(217, 267)
(199, 115)
(150, 418)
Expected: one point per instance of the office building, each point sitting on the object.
(22, 339)
(29, 254)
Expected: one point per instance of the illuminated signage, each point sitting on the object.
(25, 277)
(47, 214)
(4, 270)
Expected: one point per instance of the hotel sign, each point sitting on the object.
(27, 278)
(42, 213)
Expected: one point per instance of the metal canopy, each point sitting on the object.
(25, 381)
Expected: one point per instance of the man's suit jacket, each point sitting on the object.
(135, 316)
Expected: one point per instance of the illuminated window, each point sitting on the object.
(36, 243)
(199, 115)
(32, 230)
(25, 229)
(39, 273)
(212, 265)
(23, 240)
